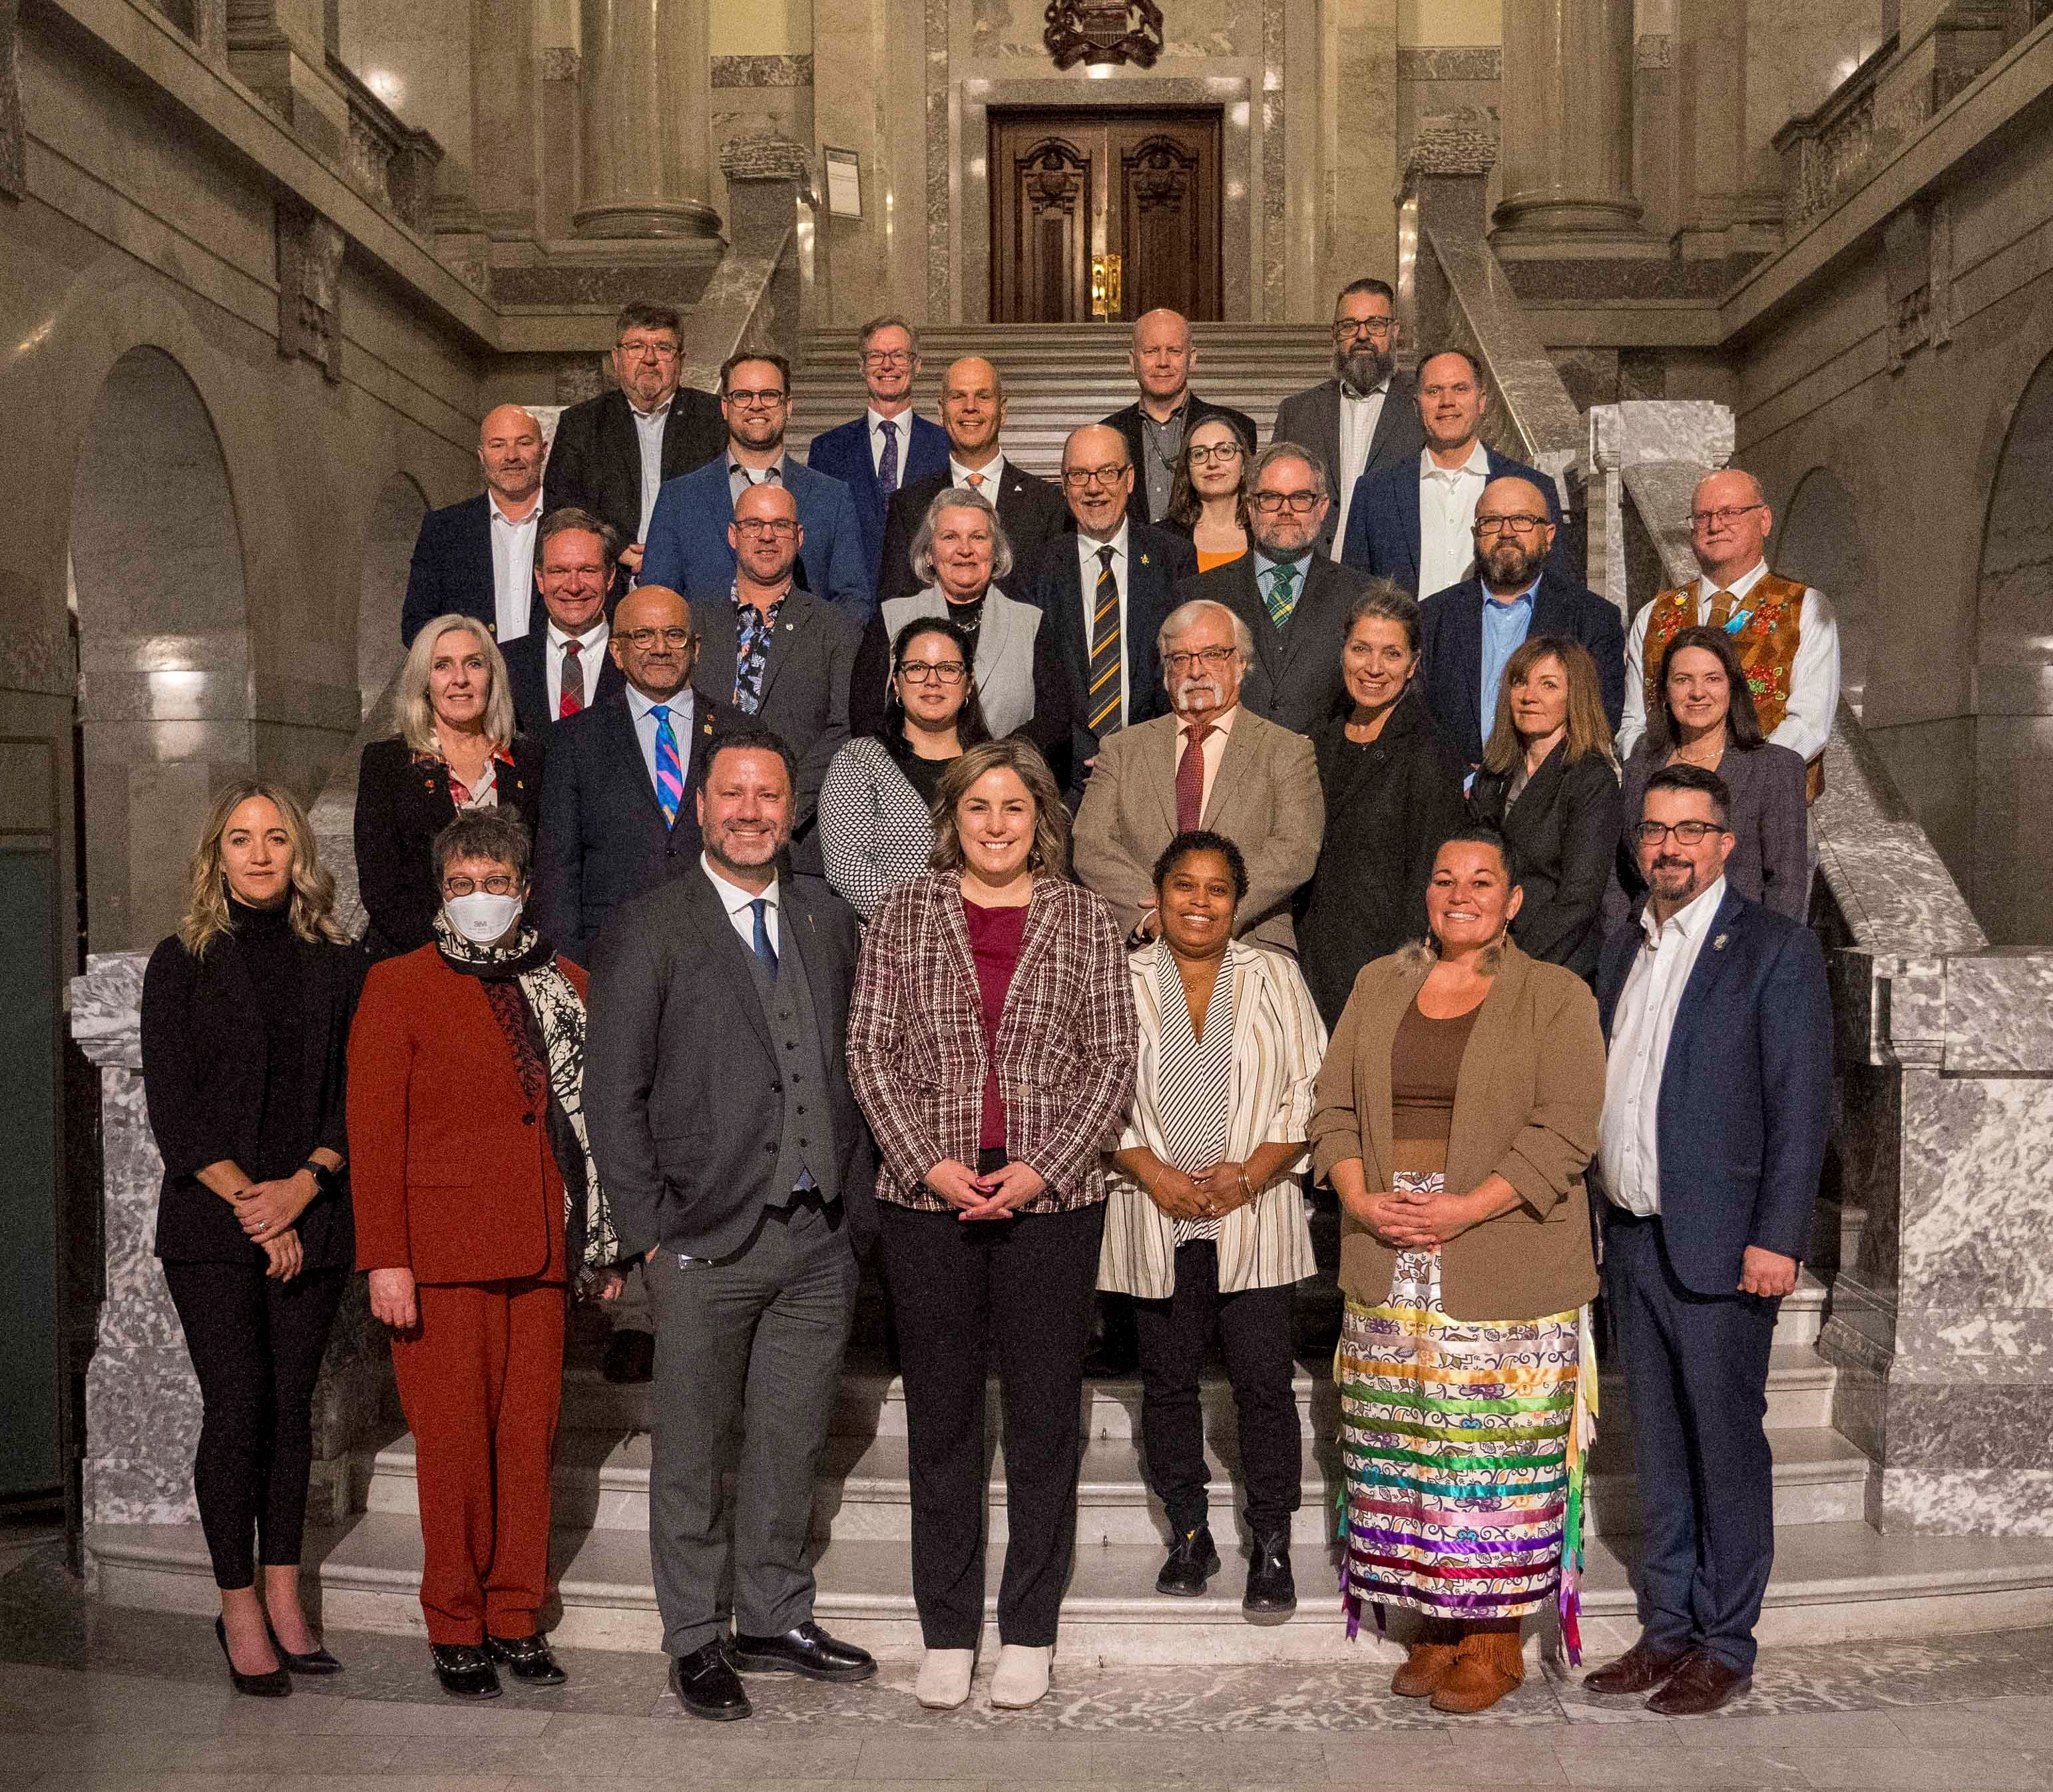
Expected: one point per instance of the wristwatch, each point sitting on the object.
(323, 1176)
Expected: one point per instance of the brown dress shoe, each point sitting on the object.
(1640, 1669)
(1702, 1684)
(1425, 1668)
(1488, 1663)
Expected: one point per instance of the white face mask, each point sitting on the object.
(481, 917)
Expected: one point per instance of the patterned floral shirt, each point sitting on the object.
(753, 629)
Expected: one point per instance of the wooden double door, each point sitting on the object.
(1104, 215)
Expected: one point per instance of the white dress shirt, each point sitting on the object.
(1087, 553)
(591, 650)
(513, 567)
(740, 917)
(1814, 674)
(639, 706)
(1446, 518)
(1359, 414)
(1629, 1136)
(649, 427)
(901, 427)
(990, 473)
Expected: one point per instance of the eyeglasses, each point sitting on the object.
(888, 358)
(1298, 504)
(1521, 526)
(1349, 326)
(645, 638)
(496, 885)
(932, 672)
(1212, 659)
(1217, 451)
(1690, 833)
(648, 351)
(782, 528)
(762, 401)
(1724, 517)
(1077, 478)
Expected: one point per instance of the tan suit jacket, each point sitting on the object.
(1265, 799)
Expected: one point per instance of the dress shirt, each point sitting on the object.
(513, 567)
(1814, 675)
(1163, 443)
(646, 725)
(1446, 518)
(901, 426)
(990, 473)
(649, 427)
(591, 651)
(740, 915)
(1629, 1137)
(1504, 627)
(1360, 412)
(1213, 750)
(1087, 552)
(740, 478)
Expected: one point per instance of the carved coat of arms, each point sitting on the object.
(1093, 31)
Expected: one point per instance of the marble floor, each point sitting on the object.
(126, 1701)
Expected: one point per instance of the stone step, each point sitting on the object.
(1832, 1582)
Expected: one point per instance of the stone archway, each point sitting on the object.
(157, 591)
(1822, 542)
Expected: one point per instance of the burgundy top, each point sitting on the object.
(994, 934)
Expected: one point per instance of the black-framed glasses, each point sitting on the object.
(888, 358)
(1690, 833)
(1348, 327)
(782, 528)
(1077, 478)
(645, 638)
(1723, 516)
(497, 885)
(1298, 504)
(1521, 526)
(1211, 659)
(767, 400)
(1205, 453)
(933, 671)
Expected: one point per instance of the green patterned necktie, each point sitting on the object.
(1282, 597)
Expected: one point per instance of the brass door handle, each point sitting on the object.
(1106, 279)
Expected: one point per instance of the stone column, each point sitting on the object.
(647, 81)
(1567, 162)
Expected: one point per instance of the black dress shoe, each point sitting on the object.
(1701, 1685)
(1271, 1592)
(529, 1658)
(1193, 1560)
(630, 1357)
(706, 1686)
(808, 1650)
(465, 1670)
(275, 1684)
(316, 1661)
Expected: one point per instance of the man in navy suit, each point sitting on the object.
(1412, 522)
(475, 559)
(1469, 631)
(1718, 1107)
(688, 548)
(561, 670)
(875, 454)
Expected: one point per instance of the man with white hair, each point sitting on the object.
(477, 559)
(1210, 764)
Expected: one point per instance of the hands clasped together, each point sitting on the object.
(995, 1197)
(1415, 1220)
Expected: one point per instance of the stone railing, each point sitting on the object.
(756, 296)
(392, 163)
(1828, 152)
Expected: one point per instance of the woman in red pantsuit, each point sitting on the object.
(476, 1205)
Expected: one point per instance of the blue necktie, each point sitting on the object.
(887, 462)
(669, 769)
(764, 951)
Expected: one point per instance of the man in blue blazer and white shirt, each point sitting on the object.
(1412, 522)
(477, 559)
(886, 447)
(688, 549)
(1718, 1107)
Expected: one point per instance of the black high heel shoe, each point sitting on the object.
(275, 1684)
(316, 1661)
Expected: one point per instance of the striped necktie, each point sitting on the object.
(669, 769)
(1103, 705)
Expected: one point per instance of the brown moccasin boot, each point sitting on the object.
(1425, 1670)
(1488, 1664)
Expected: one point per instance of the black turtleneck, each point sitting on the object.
(270, 954)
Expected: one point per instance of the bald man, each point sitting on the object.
(477, 559)
(1154, 426)
(972, 413)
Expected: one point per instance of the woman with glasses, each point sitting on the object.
(1208, 496)
(1706, 717)
(876, 828)
(456, 750)
(1549, 781)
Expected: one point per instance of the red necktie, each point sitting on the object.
(572, 699)
(1191, 778)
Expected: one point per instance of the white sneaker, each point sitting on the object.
(944, 1677)
(1021, 1677)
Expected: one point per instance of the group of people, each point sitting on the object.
(1043, 929)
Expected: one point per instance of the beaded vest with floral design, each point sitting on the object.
(1764, 634)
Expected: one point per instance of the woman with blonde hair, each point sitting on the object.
(246, 1012)
(456, 749)
(991, 1042)
(1549, 781)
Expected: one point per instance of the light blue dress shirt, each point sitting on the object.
(646, 725)
(1504, 627)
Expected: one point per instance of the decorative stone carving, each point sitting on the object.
(561, 62)
(1099, 31)
(763, 71)
(1457, 143)
(765, 155)
(1917, 258)
(310, 248)
(14, 172)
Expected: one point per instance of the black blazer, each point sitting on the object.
(595, 460)
(683, 1090)
(1296, 677)
(1030, 509)
(808, 668)
(1390, 806)
(204, 1052)
(603, 838)
(1127, 423)
(527, 679)
(1564, 828)
(1450, 645)
(400, 808)
(1312, 419)
(451, 572)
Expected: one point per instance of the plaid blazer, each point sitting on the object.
(1066, 1043)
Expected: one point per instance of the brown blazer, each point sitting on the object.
(1526, 1108)
(1265, 800)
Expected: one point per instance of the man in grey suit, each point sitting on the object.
(739, 1168)
(1366, 416)
(777, 653)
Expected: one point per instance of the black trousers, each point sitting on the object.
(954, 1282)
(1696, 1371)
(1254, 1328)
(257, 1347)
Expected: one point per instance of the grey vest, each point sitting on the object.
(807, 1142)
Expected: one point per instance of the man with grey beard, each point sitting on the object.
(1366, 416)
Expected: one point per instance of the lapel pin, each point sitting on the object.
(1718, 944)
(1144, 559)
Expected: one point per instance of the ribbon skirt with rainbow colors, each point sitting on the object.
(1463, 1444)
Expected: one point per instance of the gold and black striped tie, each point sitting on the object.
(1104, 666)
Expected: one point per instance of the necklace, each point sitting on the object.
(1710, 764)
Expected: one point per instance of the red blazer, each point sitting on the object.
(450, 1166)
